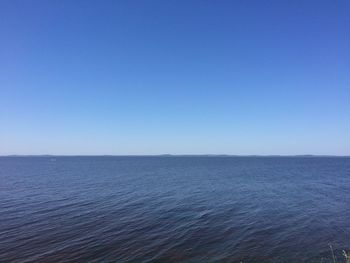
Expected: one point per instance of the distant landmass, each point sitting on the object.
(172, 155)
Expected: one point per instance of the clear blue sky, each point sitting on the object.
(178, 76)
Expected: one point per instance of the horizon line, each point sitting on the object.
(173, 155)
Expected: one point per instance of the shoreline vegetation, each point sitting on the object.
(347, 256)
(334, 259)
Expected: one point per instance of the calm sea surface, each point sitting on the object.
(174, 209)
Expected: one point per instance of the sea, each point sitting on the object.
(174, 209)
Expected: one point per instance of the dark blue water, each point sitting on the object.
(173, 209)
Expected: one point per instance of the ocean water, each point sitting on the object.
(174, 209)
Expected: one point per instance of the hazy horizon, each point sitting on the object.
(175, 77)
(173, 155)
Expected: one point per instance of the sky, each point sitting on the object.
(175, 77)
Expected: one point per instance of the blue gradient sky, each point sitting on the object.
(180, 77)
